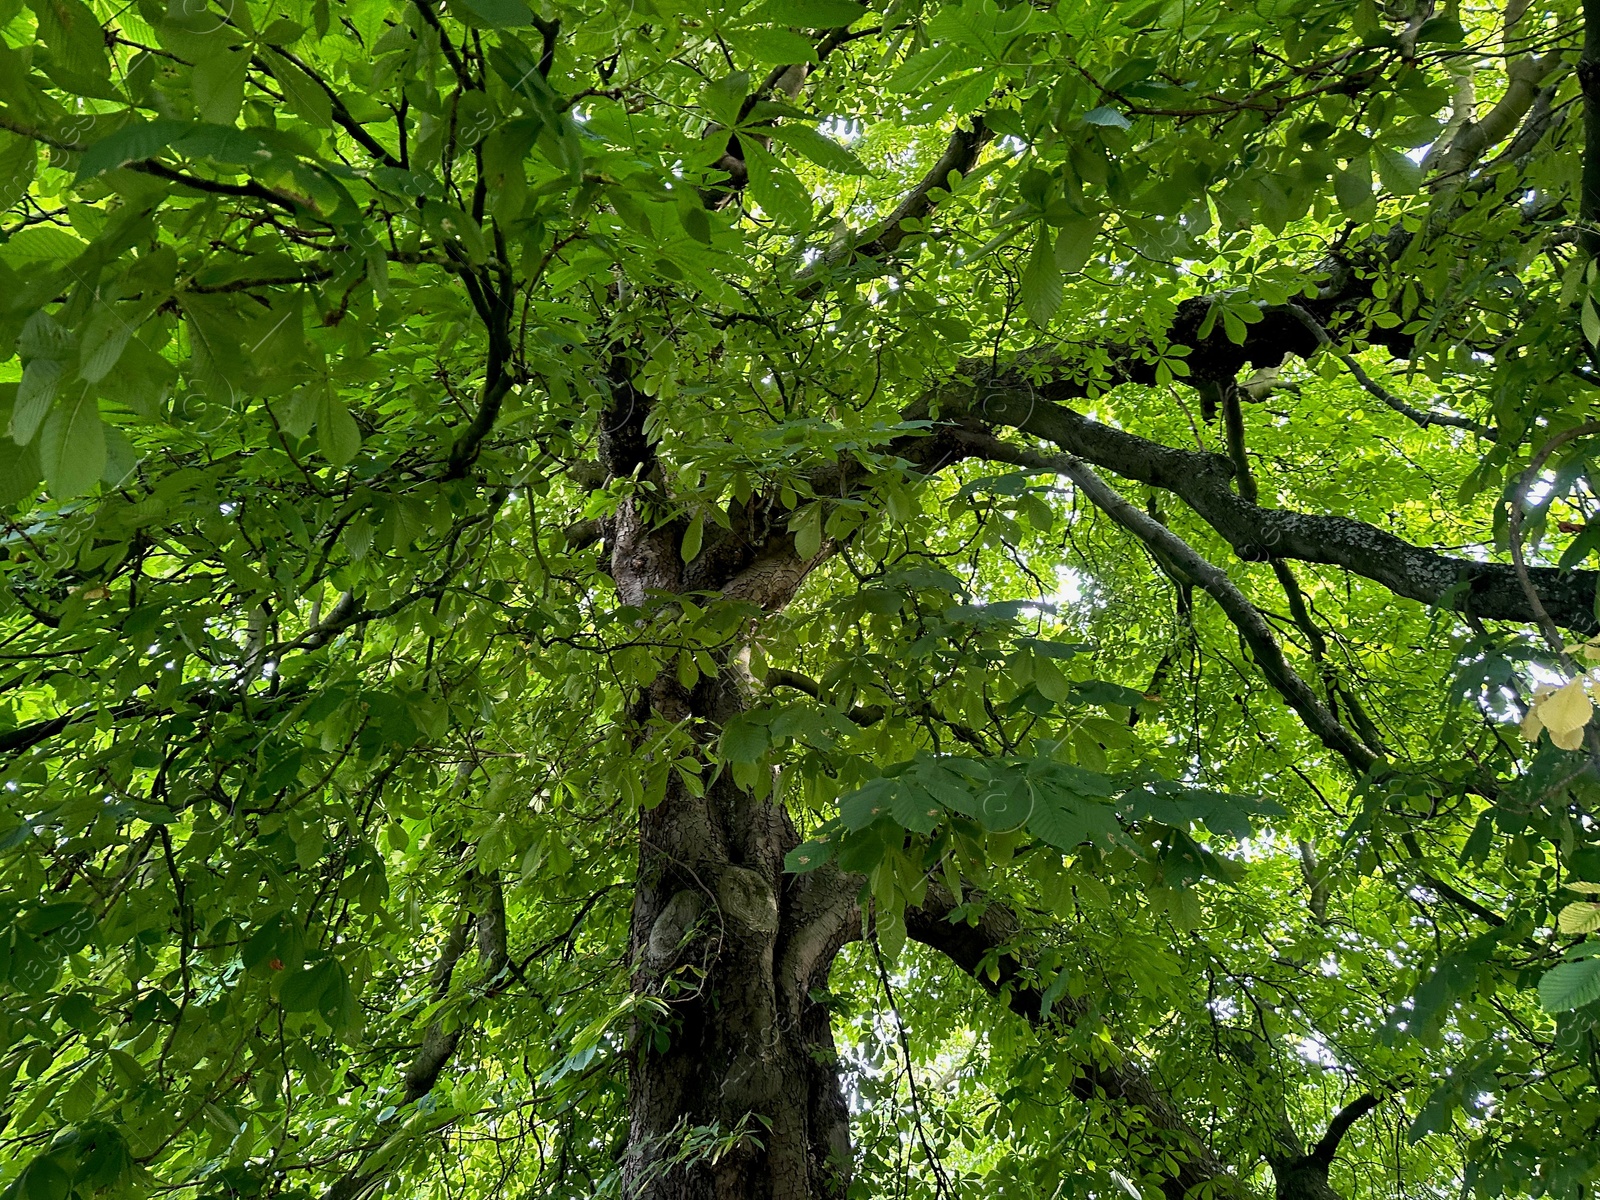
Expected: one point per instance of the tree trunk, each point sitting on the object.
(733, 1089)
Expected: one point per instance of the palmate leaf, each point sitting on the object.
(809, 14)
(1064, 805)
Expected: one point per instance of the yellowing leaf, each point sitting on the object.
(1568, 739)
(1564, 710)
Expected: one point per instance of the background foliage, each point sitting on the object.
(323, 739)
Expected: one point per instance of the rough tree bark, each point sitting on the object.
(744, 1052)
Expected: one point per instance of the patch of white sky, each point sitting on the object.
(1314, 1050)
(843, 129)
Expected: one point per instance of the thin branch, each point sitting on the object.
(883, 239)
(980, 937)
(1422, 417)
(987, 400)
(1519, 498)
(341, 114)
(463, 76)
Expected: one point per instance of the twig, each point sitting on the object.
(1519, 497)
(1423, 417)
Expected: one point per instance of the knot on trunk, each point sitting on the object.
(672, 929)
(747, 900)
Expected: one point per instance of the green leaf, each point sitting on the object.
(772, 45)
(692, 215)
(923, 67)
(743, 740)
(35, 394)
(304, 95)
(916, 809)
(19, 475)
(338, 435)
(302, 991)
(808, 533)
(1052, 684)
(19, 157)
(134, 142)
(74, 36)
(1074, 243)
(808, 856)
(692, 537)
(40, 247)
(1441, 29)
(1571, 985)
(219, 85)
(500, 14)
(1005, 804)
(78, 1011)
(72, 444)
(102, 342)
(1353, 188)
(1041, 282)
(1590, 321)
(809, 14)
(1068, 823)
(283, 32)
(1106, 118)
(819, 148)
(44, 1179)
(866, 804)
(722, 97)
(1397, 172)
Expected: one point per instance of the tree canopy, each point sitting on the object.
(799, 599)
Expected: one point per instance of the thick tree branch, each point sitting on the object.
(1251, 625)
(884, 238)
(1487, 590)
(1524, 78)
(1322, 1153)
(861, 714)
(438, 1043)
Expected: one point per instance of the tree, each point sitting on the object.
(799, 600)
